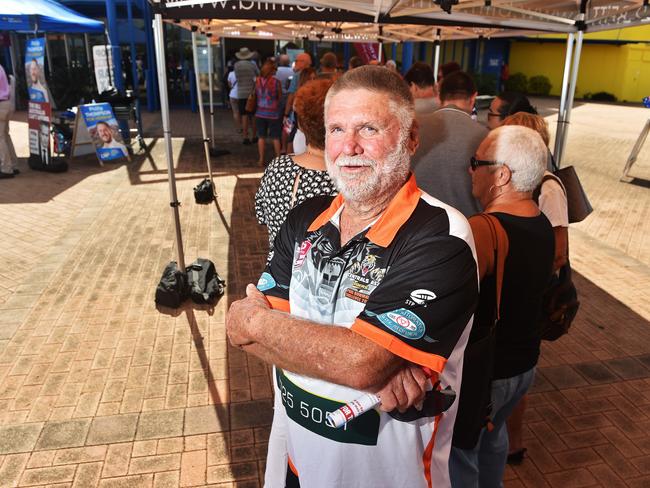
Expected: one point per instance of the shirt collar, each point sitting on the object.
(383, 230)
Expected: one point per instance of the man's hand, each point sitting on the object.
(240, 320)
(405, 389)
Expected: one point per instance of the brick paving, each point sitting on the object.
(99, 388)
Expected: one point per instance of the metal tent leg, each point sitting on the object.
(164, 112)
(210, 87)
(436, 55)
(635, 152)
(565, 88)
(199, 95)
(571, 94)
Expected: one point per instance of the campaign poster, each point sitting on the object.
(38, 123)
(104, 131)
(35, 70)
(103, 61)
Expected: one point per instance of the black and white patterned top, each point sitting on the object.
(273, 198)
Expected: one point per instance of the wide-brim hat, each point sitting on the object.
(244, 53)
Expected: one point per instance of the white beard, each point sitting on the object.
(384, 177)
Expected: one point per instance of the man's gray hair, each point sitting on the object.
(379, 80)
(522, 150)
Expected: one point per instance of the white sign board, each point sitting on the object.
(103, 61)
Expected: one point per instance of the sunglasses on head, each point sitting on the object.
(475, 163)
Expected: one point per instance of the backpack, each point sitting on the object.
(204, 281)
(474, 406)
(172, 289)
(560, 303)
(204, 192)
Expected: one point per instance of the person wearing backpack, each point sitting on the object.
(268, 93)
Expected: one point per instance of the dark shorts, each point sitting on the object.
(269, 128)
(242, 106)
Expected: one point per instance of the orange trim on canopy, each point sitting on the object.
(397, 347)
(279, 304)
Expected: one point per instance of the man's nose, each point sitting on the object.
(351, 145)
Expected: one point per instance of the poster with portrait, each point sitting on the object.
(35, 70)
(104, 131)
(39, 111)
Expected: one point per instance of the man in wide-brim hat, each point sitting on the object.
(244, 53)
(245, 73)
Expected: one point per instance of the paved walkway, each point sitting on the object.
(99, 388)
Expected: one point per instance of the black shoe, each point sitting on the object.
(215, 153)
(16, 171)
(4, 176)
(247, 142)
(517, 457)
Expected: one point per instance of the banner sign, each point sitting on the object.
(367, 51)
(39, 110)
(103, 61)
(34, 70)
(38, 123)
(104, 131)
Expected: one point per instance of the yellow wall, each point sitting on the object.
(623, 70)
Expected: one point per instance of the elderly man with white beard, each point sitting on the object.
(365, 292)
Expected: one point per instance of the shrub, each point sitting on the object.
(486, 83)
(518, 82)
(539, 85)
(602, 97)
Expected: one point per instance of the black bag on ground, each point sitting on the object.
(205, 282)
(57, 165)
(204, 192)
(172, 289)
(559, 306)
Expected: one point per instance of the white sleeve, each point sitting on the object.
(553, 203)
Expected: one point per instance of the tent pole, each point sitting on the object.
(89, 55)
(50, 66)
(381, 51)
(14, 53)
(199, 96)
(67, 49)
(211, 88)
(563, 96)
(134, 70)
(436, 55)
(571, 94)
(164, 112)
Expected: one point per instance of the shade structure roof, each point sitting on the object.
(44, 16)
(401, 20)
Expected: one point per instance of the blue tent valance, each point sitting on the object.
(44, 16)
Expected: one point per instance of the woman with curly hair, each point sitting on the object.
(290, 179)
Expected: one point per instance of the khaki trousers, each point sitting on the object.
(8, 159)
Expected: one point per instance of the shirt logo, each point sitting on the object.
(358, 296)
(304, 249)
(420, 297)
(403, 322)
(266, 282)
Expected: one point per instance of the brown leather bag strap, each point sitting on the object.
(500, 246)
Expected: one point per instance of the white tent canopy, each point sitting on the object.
(392, 21)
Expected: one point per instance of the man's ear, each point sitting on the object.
(414, 137)
(472, 100)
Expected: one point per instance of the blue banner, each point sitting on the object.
(35, 70)
(104, 131)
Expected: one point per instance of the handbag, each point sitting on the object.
(204, 192)
(577, 201)
(475, 401)
(251, 102)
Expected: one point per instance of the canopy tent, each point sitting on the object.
(394, 21)
(44, 16)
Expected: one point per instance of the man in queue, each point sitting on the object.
(365, 292)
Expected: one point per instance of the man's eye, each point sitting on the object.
(368, 131)
(335, 130)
